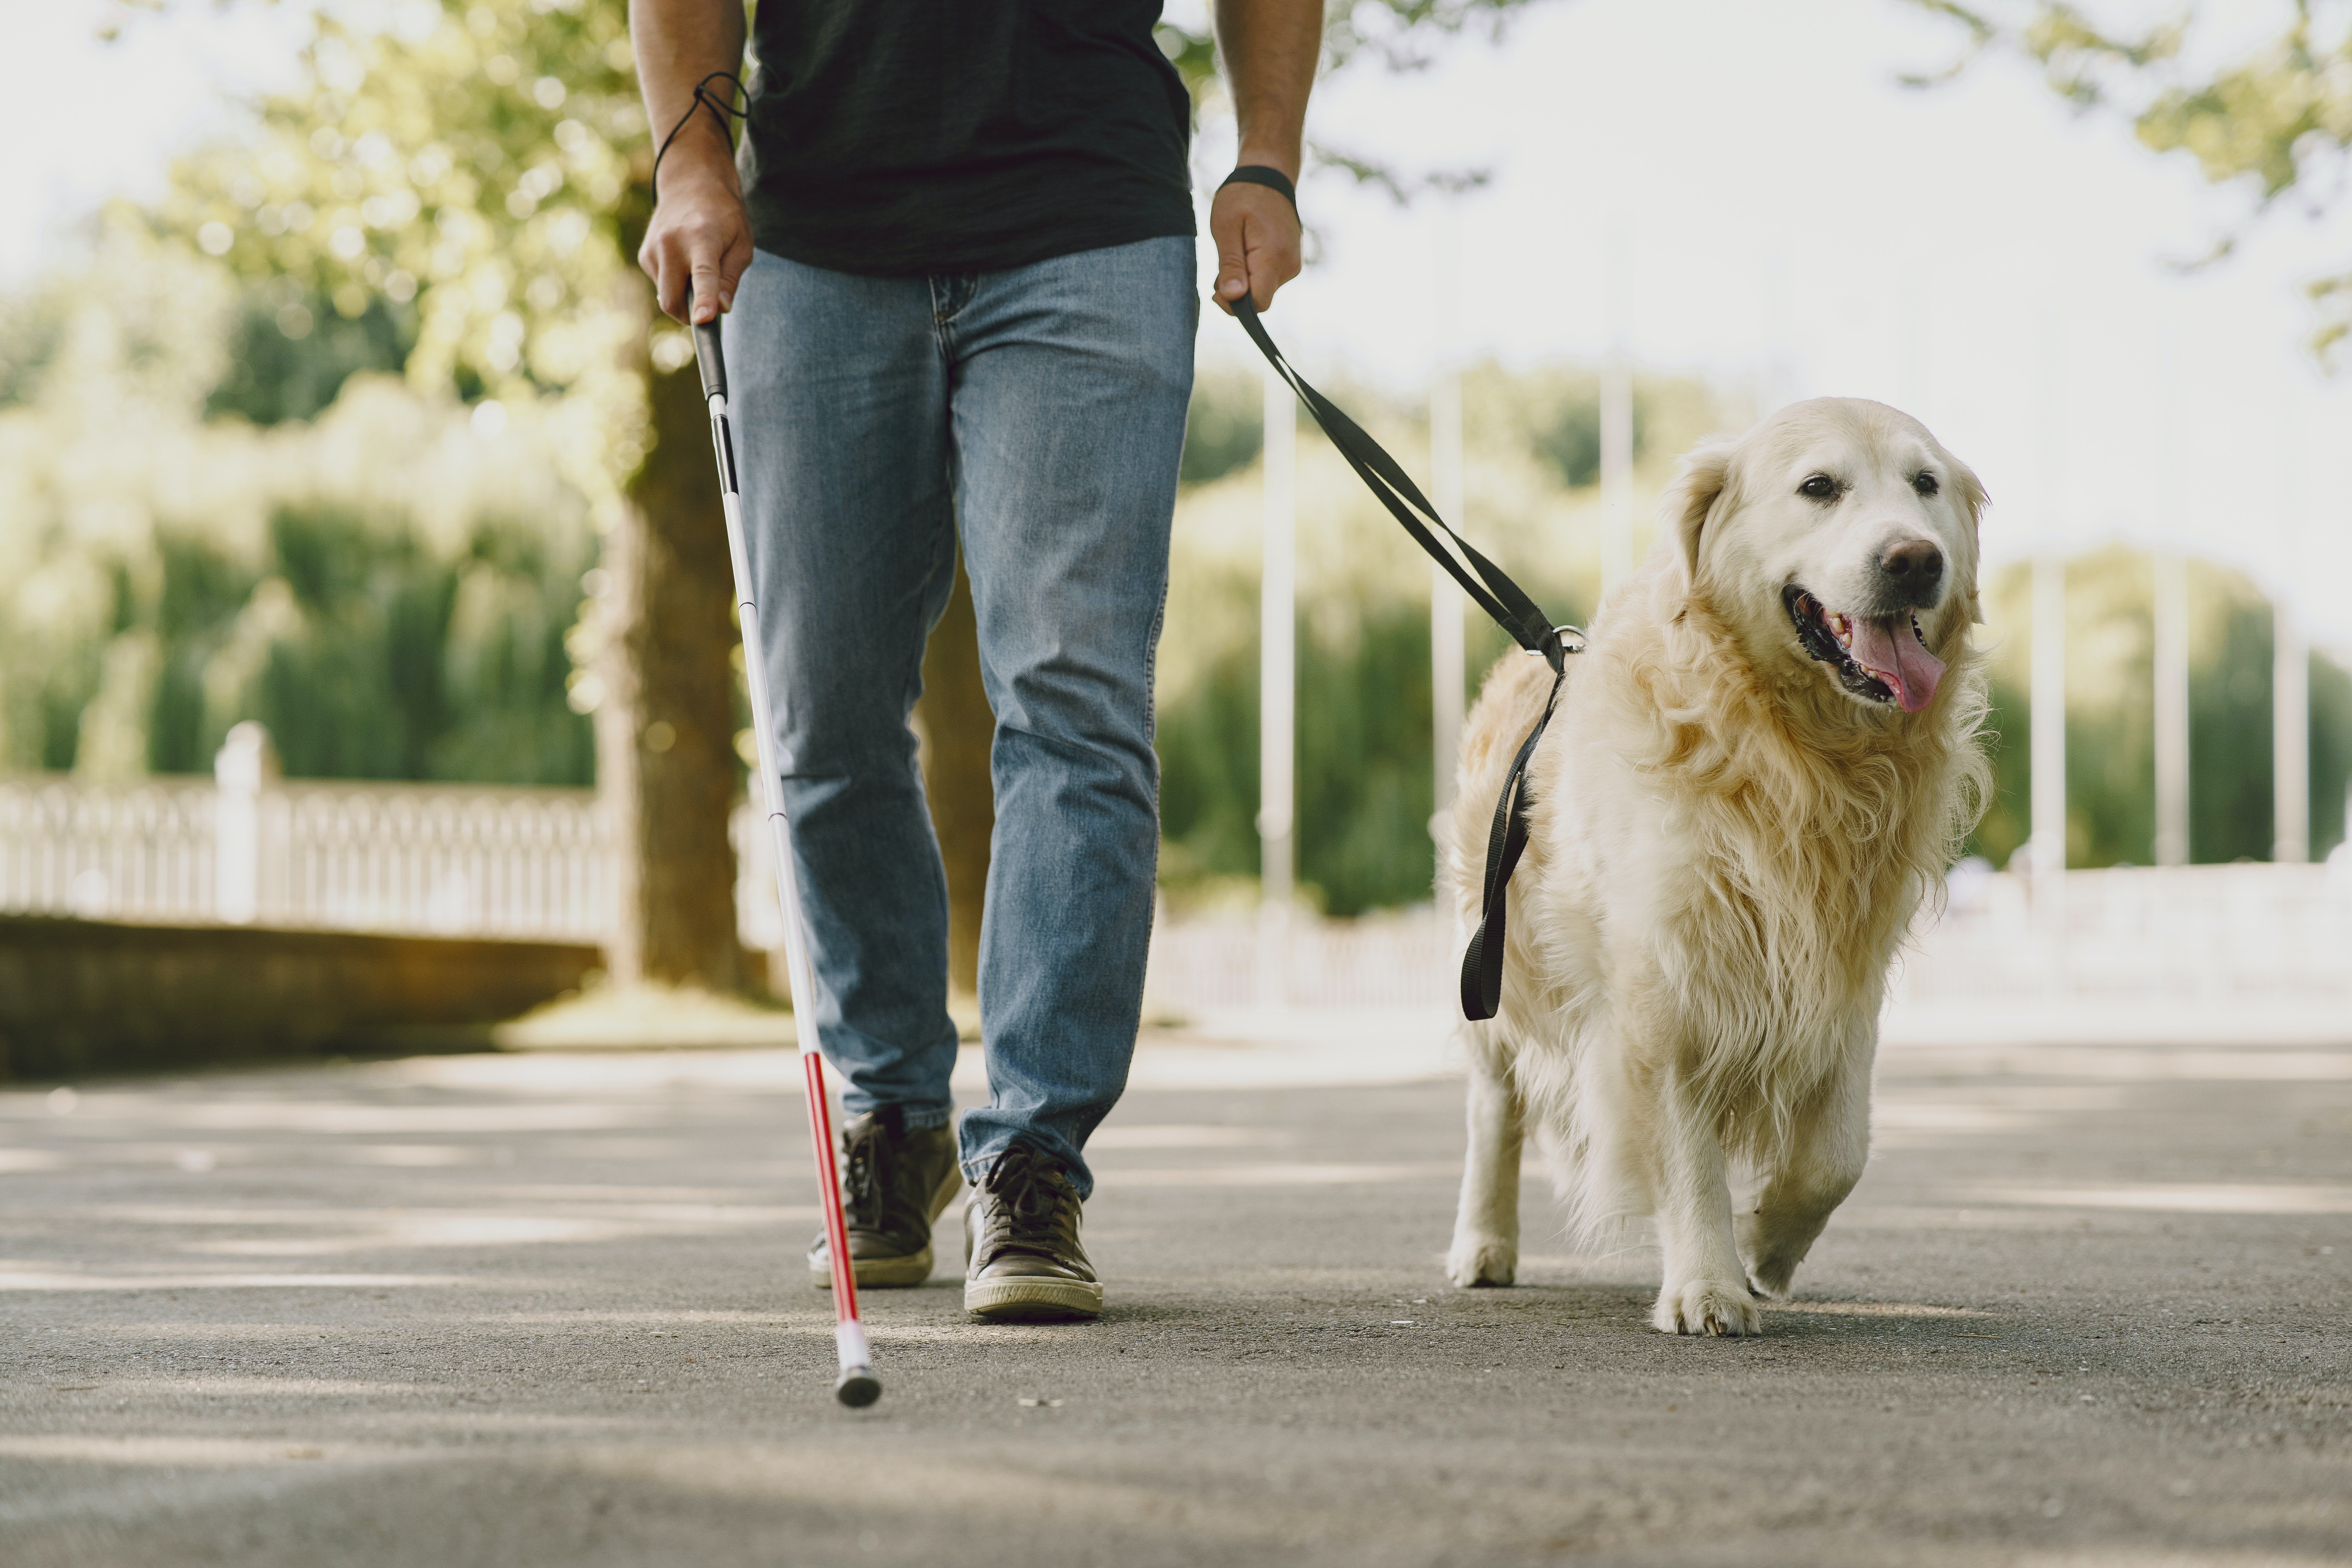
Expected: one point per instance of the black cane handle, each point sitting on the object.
(709, 357)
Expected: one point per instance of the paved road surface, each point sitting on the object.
(2093, 1306)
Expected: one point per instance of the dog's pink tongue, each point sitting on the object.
(1887, 648)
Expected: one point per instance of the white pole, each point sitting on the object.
(2290, 737)
(1446, 598)
(1915, 301)
(2289, 666)
(2048, 717)
(2047, 728)
(2171, 630)
(1774, 379)
(1616, 434)
(2171, 708)
(245, 764)
(1277, 688)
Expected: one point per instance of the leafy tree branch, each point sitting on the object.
(2277, 121)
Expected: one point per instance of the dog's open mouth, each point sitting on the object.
(1880, 658)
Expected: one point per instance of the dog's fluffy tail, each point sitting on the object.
(1510, 702)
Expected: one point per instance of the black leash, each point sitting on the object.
(1503, 600)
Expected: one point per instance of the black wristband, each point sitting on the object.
(1259, 174)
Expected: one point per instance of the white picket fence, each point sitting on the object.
(440, 859)
(138, 852)
(2200, 934)
(2197, 935)
(519, 863)
(1391, 960)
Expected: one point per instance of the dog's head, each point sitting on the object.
(1839, 535)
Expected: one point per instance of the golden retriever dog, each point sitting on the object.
(1763, 761)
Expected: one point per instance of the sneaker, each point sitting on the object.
(895, 1180)
(1022, 1262)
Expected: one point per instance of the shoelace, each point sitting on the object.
(1030, 1189)
(862, 1184)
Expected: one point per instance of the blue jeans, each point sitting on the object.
(1037, 414)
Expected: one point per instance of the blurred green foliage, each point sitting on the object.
(388, 587)
(273, 376)
(456, 189)
(1225, 425)
(1365, 786)
(1563, 422)
(31, 333)
(408, 665)
(1366, 778)
(481, 166)
(2110, 724)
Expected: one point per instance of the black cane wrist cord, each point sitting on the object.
(720, 108)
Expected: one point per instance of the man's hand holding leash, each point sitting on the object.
(1270, 50)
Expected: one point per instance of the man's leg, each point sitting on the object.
(1071, 379)
(838, 401)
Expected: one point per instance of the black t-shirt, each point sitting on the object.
(905, 137)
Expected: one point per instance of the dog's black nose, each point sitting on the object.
(1917, 560)
(1914, 570)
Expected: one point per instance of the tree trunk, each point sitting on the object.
(957, 727)
(667, 767)
(665, 760)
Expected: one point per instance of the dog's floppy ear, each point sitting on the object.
(1698, 484)
(1970, 491)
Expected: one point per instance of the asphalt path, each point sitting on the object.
(2093, 1305)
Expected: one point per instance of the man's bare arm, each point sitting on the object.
(699, 231)
(1270, 47)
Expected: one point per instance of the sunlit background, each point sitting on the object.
(317, 411)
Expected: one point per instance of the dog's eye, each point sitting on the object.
(1924, 483)
(1820, 486)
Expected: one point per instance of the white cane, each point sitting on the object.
(857, 1384)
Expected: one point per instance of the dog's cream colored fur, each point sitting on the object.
(1726, 848)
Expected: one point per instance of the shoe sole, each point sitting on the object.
(896, 1273)
(1033, 1300)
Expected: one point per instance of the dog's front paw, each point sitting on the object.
(1478, 1262)
(1707, 1307)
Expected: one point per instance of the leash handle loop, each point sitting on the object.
(1273, 179)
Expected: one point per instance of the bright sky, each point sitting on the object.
(84, 120)
(1976, 254)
